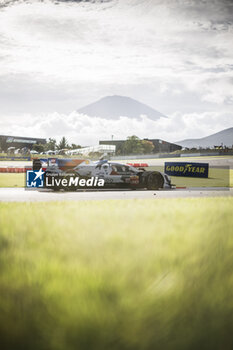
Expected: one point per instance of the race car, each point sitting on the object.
(115, 175)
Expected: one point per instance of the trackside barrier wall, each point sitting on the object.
(14, 169)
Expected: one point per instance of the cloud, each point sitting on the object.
(85, 130)
(118, 41)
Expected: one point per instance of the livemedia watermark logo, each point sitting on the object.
(41, 179)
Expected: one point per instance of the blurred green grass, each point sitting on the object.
(127, 275)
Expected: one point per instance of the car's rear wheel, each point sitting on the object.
(154, 181)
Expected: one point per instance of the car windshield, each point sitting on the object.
(121, 168)
(132, 169)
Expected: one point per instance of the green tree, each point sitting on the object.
(38, 147)
(74, 146)
(51, 145)
(147, 146)
(63, 143)
(133, 145)
(3, 145)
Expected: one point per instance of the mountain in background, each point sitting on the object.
(113, 107)
(224, 137)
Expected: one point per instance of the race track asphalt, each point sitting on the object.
(22, 195)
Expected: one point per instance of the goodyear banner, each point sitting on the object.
(187, 169)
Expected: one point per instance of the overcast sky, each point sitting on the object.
(57, 56)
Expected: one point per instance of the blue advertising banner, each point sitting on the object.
(187, 169)
(14, 158)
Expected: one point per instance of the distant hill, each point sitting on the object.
(113, 107)
(224, 137)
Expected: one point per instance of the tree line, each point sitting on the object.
(132, 145)
(53, 145)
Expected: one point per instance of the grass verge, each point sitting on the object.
(218, 177)
(127, 275)
(12, 180)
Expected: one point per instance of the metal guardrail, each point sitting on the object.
(165, 155)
